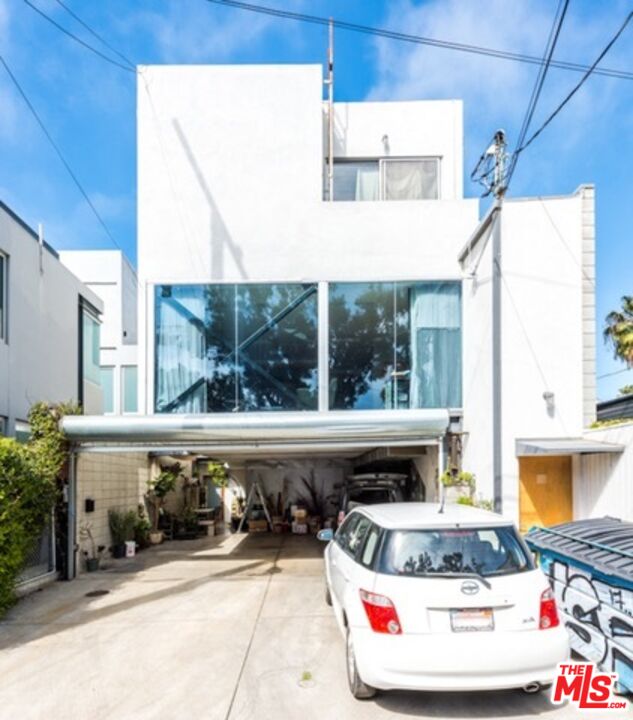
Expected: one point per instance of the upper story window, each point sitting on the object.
(386, 179)
(3, 297)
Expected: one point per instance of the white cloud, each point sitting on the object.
(195, 31)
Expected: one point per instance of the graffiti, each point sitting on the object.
(598, 617)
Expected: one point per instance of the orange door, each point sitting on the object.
(545, 496)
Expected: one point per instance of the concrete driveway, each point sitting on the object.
(228, 628)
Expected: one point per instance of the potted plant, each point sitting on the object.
(122, 525)
(458, 484)
(158, 488)
(93, 556)
(142, 529)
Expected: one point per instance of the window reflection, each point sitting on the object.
(223, 348)
(395, 345)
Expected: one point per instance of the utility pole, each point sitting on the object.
(498, 189)
(330, 110)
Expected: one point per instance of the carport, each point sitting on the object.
(361, 438)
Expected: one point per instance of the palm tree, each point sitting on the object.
(619, 331)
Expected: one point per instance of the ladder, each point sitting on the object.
(250, 501)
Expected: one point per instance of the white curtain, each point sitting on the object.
(410, 179)
(367, 185)
(180, 352)
(436, 346)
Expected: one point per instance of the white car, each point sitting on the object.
(432, 598)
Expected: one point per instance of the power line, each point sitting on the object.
(59, 152)
(552, 40)
(611, 374)
(95, 34)
(568, 97)
(74, 37)
(419, 39)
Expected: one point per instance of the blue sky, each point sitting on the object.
(89, 106)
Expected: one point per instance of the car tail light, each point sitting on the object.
(549, 612)
(381, 613)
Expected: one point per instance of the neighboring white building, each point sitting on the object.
(109, 274)
(49, 329)
(273, 319)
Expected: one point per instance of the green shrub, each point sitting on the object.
(29, 487)
(26, 499)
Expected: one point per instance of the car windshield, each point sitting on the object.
(442, 551)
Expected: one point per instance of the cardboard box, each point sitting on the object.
(301, 515)
(257, 526)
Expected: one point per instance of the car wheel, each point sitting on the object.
(328, 595)
(357, 687)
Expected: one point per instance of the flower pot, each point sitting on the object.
(92, 564)
(156, 537)
(118, 551)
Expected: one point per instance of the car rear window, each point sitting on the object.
(370, 496)
(485, 551)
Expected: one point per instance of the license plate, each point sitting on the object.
(472, 620)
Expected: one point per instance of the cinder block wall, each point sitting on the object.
(113, 481)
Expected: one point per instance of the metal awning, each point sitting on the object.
(261, 432)
(564, 446)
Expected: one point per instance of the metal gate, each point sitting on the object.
(40, 562)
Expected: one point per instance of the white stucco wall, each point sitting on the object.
(230, 172)
(419, 128)
(230, 175)
(114, 481)
(542, 336)
(603, 483)
(111, 277)
(39, 360)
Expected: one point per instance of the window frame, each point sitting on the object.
(381, 163)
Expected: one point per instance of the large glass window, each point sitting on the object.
(129, 381)
(236, 347)
(395, 345)
(107, 387)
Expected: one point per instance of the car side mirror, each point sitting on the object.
(325, 535)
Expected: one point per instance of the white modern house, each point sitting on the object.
(316, 307)
(49, 348)
(109, 274)
(49, 329)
